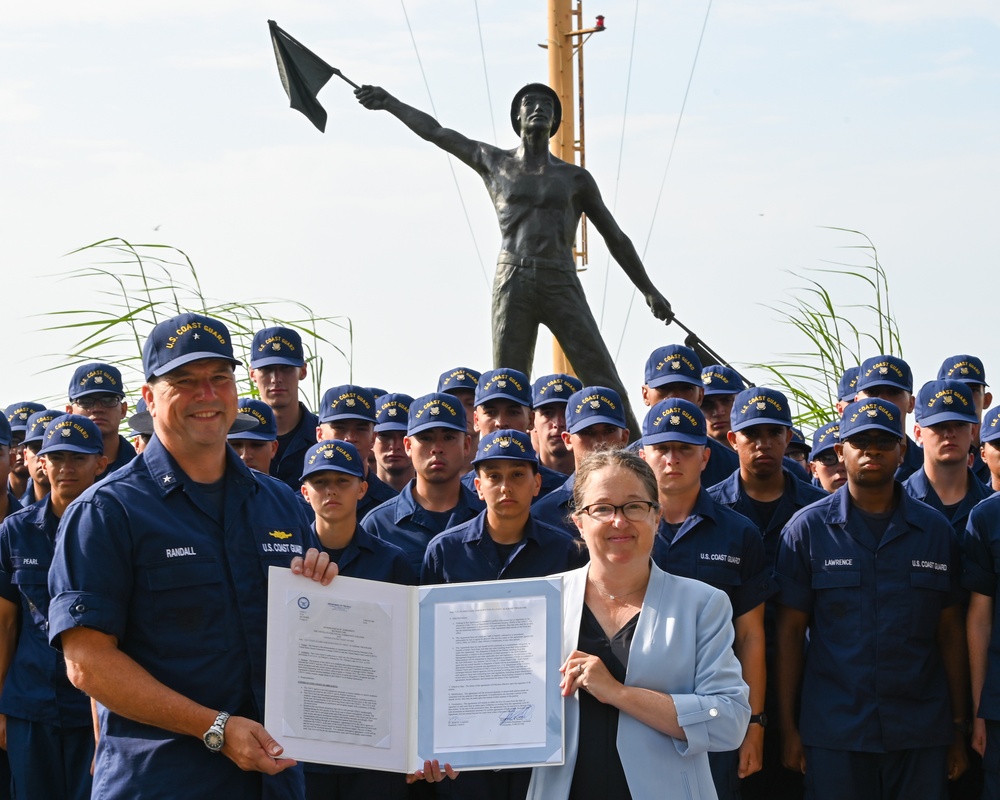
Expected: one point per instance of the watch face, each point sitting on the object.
(213, 740)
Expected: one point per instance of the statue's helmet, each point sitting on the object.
(535, 88)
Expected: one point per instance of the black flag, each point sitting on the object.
(302, 73)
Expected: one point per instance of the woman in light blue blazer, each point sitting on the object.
(650, 679)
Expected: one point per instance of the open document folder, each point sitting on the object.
(374, 675)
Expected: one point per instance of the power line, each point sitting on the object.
(663, 182)
(486, 77)
(621, 148)
(451, 167)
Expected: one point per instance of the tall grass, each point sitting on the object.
(143, 284)
(834, 334)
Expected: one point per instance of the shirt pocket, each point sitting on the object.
(188, 601)
(33, 584)
(837, 603)
(929, 592)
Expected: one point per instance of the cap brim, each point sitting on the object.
(331, 468)
(761, 421)
(895, 385)
(664, 380)
(868, 426)
(78, 395)
(435, 423)
(180, 361)
(348, 415)
(597, 419)
(947, 416)
(549, 401)
(504, 457)
(272, 361)
(711, 391)
(390, 426)
(669, 436)
(252, 434)
(71, 448)
(503, 396)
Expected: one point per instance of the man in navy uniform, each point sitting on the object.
(675, 371)
(277, 366)
(829, 472)
(436, 499)
(258, 445)
(159, 589)
(347, 413)
(889, 378)
(873, 574)
(392, 464)
(946, 420)
(970, 371)
(721, 385)
(8, 502)
(989, 449)
(595, 419)
(96, 391)
(701, 539)
(549, 395)
(847, 389)
(462, 382)
(38, 482)
(48, 728)
(17, 417)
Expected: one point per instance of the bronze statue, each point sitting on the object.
(538, 199)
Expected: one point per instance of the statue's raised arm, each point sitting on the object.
(467, 150)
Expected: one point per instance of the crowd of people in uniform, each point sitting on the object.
(854, 571)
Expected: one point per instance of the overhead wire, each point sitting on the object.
(621, 148)
(451, 166)
(663, 182)
(486, 76)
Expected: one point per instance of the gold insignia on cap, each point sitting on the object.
(501, 383)
(435, 410)
(328, 454)
(557, 388)
(675, 420)
(98, 379)
(964, 370)
(275, 345)
(391, 412)
(675, 365)
(65, 433)
(459, 376)
(706, 379)
(503, 441)
(761, 405)
(947, 399)
(349, 402)
(595, 404)
(883, 370)
(22, 415)
(872, 412)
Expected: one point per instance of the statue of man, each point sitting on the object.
(538, 199)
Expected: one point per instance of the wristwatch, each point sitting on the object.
(215, 737)
(759, 719)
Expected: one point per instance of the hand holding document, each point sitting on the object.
(375, 675)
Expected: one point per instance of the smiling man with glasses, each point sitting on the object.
(873, 574)
(96, 392)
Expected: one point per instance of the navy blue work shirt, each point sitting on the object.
(919, 486)
(468, 553)
(126, 452)
(378, 492)
(717, 546)
(142, 557)
(555, 508)
(36, 687)
(551, 480)
(372, 559)
(408, 525)
(722, 462)
(286, 465)
(980, 468)
(873, 680)
(913, 459)
(13, 504)
(981, 573)
(797, 495)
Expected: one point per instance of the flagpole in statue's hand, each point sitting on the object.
(343, 77)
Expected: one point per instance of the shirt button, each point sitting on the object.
(713, 712)
(79, 608)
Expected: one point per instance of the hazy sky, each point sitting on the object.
(169, 125)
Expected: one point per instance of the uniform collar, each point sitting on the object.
(407, 505)
(168, 476)
(476, 529)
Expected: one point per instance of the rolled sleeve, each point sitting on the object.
(74, 609)
(793, 571)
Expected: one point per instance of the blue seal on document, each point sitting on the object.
(303, 603)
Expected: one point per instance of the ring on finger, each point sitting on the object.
(579, 669)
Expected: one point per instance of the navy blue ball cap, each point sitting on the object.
(508, 384)
(458, 378)
(825, 437)
(277, 346)
(885, 370)
(37, 423)
(945, 401)
(506, 444)
(392, 412)
(718, 379)
(266, 427)
(760, 405)
(674, 420)
(182, 339)
(18, 413)
(964, 368)
(347, 402)
(96, 378)
(871, 415)
(140, 408)
(555, 388)
(72, 433)
(990, 431)
(673, 363)
(5, 437)
(799, 441)
(594, 405)
(332, 455)
(376, 391)
(436, 410)
(847, 386)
